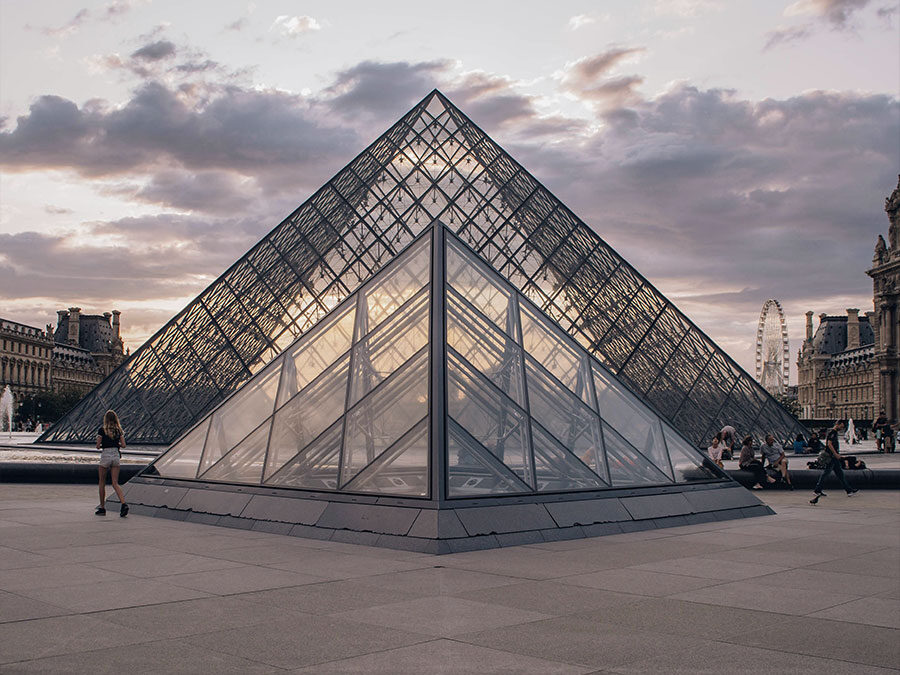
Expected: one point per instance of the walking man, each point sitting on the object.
(832, 444)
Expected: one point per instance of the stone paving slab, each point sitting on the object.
(809, 590)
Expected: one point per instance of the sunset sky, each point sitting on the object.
(730, 150)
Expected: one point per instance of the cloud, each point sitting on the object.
(581, 20)
(238, 24)
(57, 210)
(685, 8)
(294, 26)
(590, 80)
(786, 34)
(71, 26)
(837, 13)
(155, 51)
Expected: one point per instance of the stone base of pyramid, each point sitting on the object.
(423, 526)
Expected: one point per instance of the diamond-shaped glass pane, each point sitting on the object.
(244, 464)
(491, 418)
(182, 459)
(473, 471)
(467, 278)
(239, 415)
(399, 284)
(307, 415)
(687, 462)
(626, 465)
(556, 354)
(389, 346)
(570, 421)
(311, 355)
(402, 469)
(316, 466)
(493, 353)
(557, 469)
(631, 418)
(384, 415)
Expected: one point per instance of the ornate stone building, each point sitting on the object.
(82, 351)
(25, 358)
(850, 366)
(885, 275)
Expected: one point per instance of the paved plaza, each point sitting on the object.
(810, 590)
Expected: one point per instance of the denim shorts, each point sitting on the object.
(109, 457)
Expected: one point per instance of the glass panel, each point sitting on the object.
(626, 465)
(570, 421)
(558, 469)
(555, 354)
(385, 415)
(316, 466)
(493, 353)
(401, 282)
(244, 464)
(689, 464)
(183, 458)
(308, 414)
(313, 354)
(389, 347)
(470, 281)
(239, 415)
(490, 417)
(472, 470)
(402, 469)
(631, 418)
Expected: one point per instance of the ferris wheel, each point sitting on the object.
(772, 350)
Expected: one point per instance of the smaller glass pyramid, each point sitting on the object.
(436, 375)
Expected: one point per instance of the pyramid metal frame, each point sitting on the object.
(464, 489)
(434, 163)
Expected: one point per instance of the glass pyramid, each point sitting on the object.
(433, 164)
(435, 362)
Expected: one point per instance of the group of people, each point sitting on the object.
(885, 433)
(772, 464)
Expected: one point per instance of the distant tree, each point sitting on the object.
(789, 403)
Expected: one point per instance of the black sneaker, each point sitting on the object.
(123, 511)
(100, 511)
(852, 492)
(815, 500)
(819, 494)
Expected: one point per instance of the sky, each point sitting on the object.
(731, 150)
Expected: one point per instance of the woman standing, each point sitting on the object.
(110, 441)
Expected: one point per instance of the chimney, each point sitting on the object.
(115, 323)
(74, 316)
(809, 330)
(852, 329)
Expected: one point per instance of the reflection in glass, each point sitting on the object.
(316, 466)
(244, 464)
(472, 470)
(556, 354)
(307, 415)
(570, 421)
(182, 459)
(632, 419)
(402, 469)
(493, 353)
(313, 354)
(558, 469)
(687, 462)
(388, 347)
(626, 465)
(467, 279)
(384, 415)
(239, 415)
(400, 283)
(490, 417)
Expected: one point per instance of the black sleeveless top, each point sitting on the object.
(106, 441)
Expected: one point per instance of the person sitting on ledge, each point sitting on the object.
(748, 462)
(800, 446)
(815, 445)
(715, 450)
(775, 456)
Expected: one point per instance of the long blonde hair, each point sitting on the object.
(111, 425)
